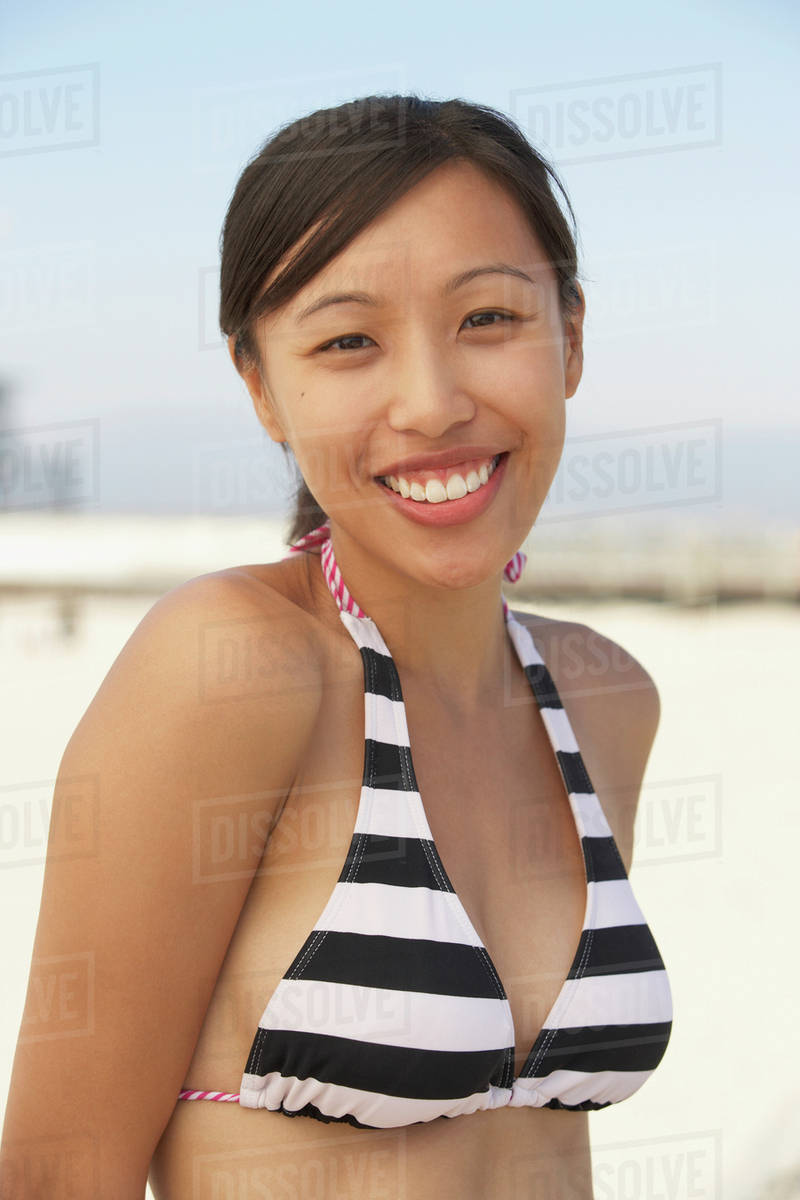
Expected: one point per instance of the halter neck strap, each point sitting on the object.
(317, 537)
(321, 536)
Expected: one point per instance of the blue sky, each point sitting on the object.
(108, 250)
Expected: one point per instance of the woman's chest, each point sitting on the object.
(502, 830)
(501, 821)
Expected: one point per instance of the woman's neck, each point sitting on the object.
(451, 641)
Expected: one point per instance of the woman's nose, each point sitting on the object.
(427, 394)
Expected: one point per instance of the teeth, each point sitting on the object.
(456, 488)
(434, 491)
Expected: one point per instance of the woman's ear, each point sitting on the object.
(262, 402)
(573, 344)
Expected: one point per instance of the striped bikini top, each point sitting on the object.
(392, 1012)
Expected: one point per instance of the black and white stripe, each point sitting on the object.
(392, 1011)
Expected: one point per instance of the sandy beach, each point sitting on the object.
(713, 869)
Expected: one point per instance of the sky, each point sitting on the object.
(123, 132)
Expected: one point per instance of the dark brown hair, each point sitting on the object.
(341, 167)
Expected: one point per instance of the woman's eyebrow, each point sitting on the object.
(452, 285)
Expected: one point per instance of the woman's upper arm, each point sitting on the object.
(169, 784)
(626, 711)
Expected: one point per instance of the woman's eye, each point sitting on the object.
(491, 313)
(347, 337)
(355, 337)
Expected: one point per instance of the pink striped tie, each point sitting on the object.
(511, 571)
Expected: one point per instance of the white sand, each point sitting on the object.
(720, 1114)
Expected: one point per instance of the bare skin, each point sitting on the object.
(188, 924)
(356, 386)
(502, 824)
(187, 934)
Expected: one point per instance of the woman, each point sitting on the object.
(400, 297)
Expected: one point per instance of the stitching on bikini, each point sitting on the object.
(592, 905)
(430, 852)
(254, 1059)
(561, 1016)
(317, 937)
(432, 856)
(551, 1033)
(437, 868)
(438, 872)
(428, 848)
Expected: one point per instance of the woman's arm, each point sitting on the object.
(619, 700)
(628, 722)
(195, 733)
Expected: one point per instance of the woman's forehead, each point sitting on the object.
(394, 277)
(408, 257)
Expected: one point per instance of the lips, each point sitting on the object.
(441, 511)
(440, 460)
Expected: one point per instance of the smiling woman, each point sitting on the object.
(310, 193)
(429, 913)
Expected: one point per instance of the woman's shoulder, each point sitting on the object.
(584, 658)
(225, 646)
(264, 593)
(613, 707)
(271, 581)
(607, 690)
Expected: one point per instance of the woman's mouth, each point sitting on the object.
(449, 496)
(450, 483)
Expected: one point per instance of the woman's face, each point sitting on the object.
(415, 364)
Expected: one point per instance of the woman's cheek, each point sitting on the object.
(329, 465)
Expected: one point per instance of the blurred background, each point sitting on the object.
(131, 458)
